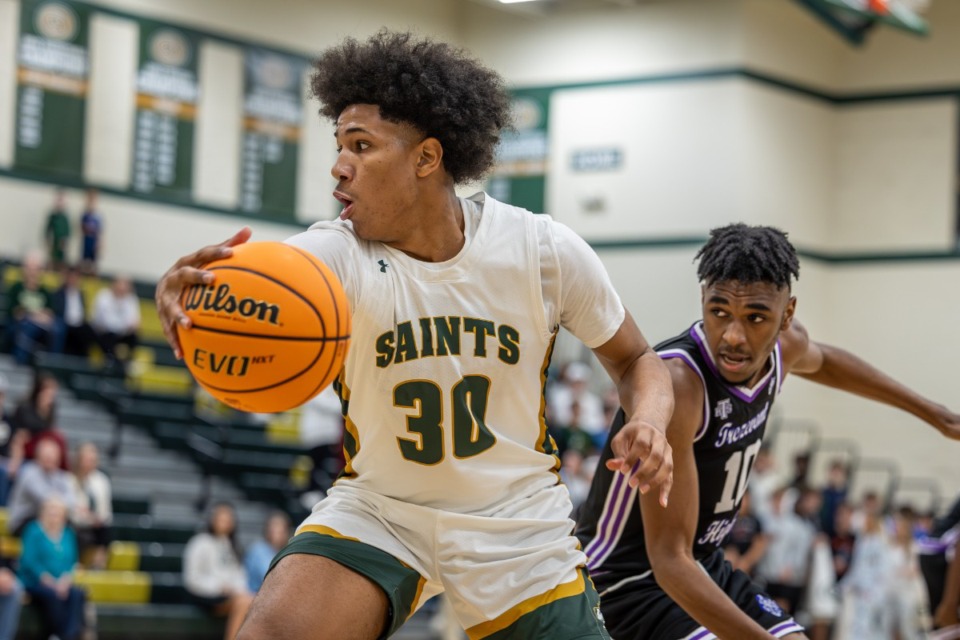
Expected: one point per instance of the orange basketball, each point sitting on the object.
(270, 332)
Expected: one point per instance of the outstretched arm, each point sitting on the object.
(670, 531)
(640, 449)
(840, 369)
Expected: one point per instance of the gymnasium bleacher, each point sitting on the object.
(169, 456)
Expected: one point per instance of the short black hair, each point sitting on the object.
(748, 254)
(431, 85)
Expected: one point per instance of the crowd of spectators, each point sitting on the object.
(219, 577)
(61, 320)
(848, 569)
(60, 512)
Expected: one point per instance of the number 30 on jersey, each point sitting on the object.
(468, 398)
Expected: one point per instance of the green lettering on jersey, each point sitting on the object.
(509, 351)
(426, 337)
(406, 343)
(480, 329)
(448, 336)
(384, 349)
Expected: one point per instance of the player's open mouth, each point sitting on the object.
(347, 203)
(733, 362)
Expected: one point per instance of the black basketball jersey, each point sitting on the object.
(734, 419)
(946, 529)
(936, 551)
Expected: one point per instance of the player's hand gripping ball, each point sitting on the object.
(270, 332)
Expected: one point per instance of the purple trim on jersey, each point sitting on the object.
(612, 520)
(785, 628)
(947, 633)
(930, 546)
(745, 394)
(781, 372)
(779, 630)
(683, 355)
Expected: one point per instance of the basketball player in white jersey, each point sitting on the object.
(451, 479)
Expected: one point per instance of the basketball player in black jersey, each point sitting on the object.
(661, 572)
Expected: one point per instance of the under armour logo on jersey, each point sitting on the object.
(383, 266)
(723, 409)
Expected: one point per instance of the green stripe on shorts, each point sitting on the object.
(401, 583)
(573, 618)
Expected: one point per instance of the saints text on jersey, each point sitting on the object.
(445, 336)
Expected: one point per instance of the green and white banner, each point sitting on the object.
(167, 92)
(52, 87)
(272, 117)
(520, 175)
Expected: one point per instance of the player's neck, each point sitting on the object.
(438, 234)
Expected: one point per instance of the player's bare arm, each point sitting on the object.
(185, 272)
(646, 396)
(671, 531)
(840, 369)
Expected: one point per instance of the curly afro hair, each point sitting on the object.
(748, 254)
(430, 85)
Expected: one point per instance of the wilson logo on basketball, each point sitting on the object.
(220, 300)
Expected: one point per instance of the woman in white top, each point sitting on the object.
(94, 506)
(212, 571)
(116, 317)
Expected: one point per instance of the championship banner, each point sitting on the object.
(520, 174)
(167, 92)
(52, 87)
(272, 117)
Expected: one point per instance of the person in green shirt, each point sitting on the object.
(31, 323)
(57, 232)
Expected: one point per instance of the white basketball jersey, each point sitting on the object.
(443, 386)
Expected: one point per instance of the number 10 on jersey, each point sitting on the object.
(468, 400)
(738, 473)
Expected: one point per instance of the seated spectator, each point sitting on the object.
(70, 309)
(571, 388)
(11, 599)
(866, 611)
(31, 327)
(843, 539)
(572, 436)
(747, 541)
(576, 476)
(12, 442)
(764, 481)
(37, 482)
(37, 416)
(321, 434)
(785, 565)
(834, 494)
(870, 507)
(212, 572)
(276, 534)
(93, 513)
(116, 318)
(47, 565)
(908, 593)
